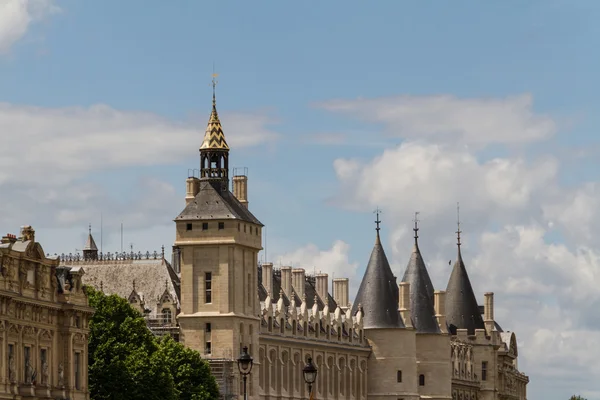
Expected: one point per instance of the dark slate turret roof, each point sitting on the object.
(421, 293)
(378, 293)
(462, 311)
(214, 201)
(91, 243)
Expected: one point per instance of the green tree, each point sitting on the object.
(124, 362)
(574, 397)
(192, 376)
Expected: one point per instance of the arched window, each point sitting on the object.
(421, 380)
(166, 315)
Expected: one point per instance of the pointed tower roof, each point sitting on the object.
(421, 290)
(462, 311)
(90, 244)
(378, 291)
(214, 138)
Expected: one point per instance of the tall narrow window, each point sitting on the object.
(44, 364)
(221, 225)
(208, 338)
(421, 380)
(208, 287)
(27, 363)
(249, 290)
(188, 227)
(77, 370)
(484, 370)
(399, 376)
(205, 226)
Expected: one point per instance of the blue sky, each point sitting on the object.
(336, 108)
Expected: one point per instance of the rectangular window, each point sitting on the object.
(421, 380)
(238, 226)
(244, 228)
(77, 322)
(208, 327)
(484, 370)
(205, 226)
(399, 376)
(208, 287)
(208, 348)
(221, 225)
(188, 227)
(27, 363)
(77, 370)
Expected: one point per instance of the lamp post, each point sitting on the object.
(310, 375)
(245, 366)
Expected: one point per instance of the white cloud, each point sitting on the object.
(515, 212)
(47, 156)
(16, 17)
(67, 143)
(473, 121)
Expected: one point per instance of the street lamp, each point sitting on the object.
(245, 366)
(310, 374)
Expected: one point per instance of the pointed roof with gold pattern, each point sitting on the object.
(214, 138)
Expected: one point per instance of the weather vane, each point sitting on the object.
(416, 228)
(377, 222)
(458, 232)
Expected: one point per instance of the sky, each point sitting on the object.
(336, 108)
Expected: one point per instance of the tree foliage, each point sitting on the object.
(126, 362)
(577, 397)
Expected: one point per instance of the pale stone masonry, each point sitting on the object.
(399, 340)
(43, 323)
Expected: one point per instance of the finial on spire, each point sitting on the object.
(458, 232)
(90, 228)
(377, 221)
(214, 85)
(162, 248)
(416, 228)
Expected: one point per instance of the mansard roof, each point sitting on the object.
(462, 311)
(378, 292)
(421, 293)
(214, 201)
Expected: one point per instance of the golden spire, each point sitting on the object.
(214, 138)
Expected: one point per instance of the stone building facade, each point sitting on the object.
(44, 317)
(399, 340)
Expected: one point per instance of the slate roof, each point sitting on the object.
(462, 311)
(90, 244)
(117, 277)
(378, 293)
(215, 201)
(421, 293)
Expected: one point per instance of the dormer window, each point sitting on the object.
(205, 226)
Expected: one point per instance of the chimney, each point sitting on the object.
(488, 312)
(404, 304)
(340, 292)
(286, 280)
(439, 299)
(9, 238)
(192, 187)
(240, 189)
(321, 281)
(267, 277)
(298, 281)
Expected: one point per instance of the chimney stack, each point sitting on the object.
(9, 238)
(192, 187)
(340, 292)
(240, 189)
(298, 281)
(267, 277)
(488, 312)
(321, 281)
(286, 280)
(439, 299)
(404, 304)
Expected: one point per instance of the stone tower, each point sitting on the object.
(218, 240)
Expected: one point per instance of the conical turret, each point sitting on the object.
(378, 291)
(421, 293)
(462, 311)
